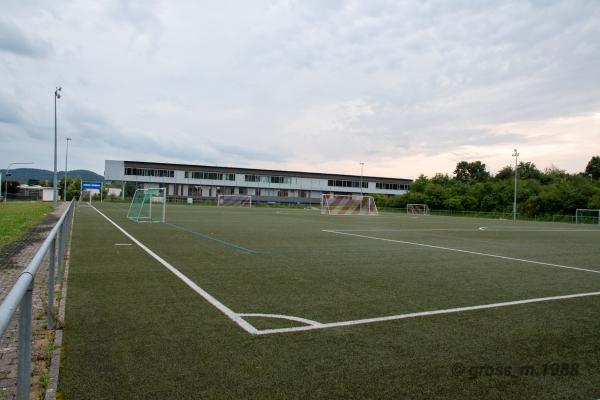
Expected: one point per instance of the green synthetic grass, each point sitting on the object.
(134, 330)
(17, 217)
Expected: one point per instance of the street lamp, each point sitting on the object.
(6, 175)
(55, 184)
(66, 168)
(362, 164)
(515, 155)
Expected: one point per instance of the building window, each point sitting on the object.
(163, 173)
(391, 186)
(268, 179)
(213, 176)
(346, 183)
(282, 193)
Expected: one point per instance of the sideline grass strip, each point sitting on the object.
(17, 217)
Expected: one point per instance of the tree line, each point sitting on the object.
(473, 188)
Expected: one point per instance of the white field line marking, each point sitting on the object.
(510, 229)
(122, 244)
(423, 314)
(207, 296)
(279, 316)
(481, 228)
(408, 230)
(463, 251)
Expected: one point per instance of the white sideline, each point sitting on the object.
(279, 316)
(462, 251)
(220, 306)
(423, 314)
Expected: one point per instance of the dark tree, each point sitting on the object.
(593, 167)
(471, 172)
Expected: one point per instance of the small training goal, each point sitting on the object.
(148, 205)
(417, 209)
(234, 200)
(587, 216)
(337, 204)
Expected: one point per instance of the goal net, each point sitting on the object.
(587, 216)
(417, 209)
(336, 204)
(85, 198)
(148, 205)
(234, 200)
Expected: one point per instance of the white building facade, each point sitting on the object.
(207, 182)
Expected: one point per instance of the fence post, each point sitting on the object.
(60, 252)
(51, 283)
(24, 369)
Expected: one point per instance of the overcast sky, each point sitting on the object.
(407, 87)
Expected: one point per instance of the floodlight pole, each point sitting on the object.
(516, 156)
(66, 168)
(55, 183)
(362, 164)
(6, 175)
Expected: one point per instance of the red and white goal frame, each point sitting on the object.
(348, 204)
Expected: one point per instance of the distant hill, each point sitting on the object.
(23, 175)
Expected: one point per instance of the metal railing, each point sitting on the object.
(21, 296)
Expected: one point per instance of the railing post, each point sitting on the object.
(51, 283)
(60, 251)
(24, 368)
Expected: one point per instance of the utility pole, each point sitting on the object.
(55, 184)
(66, 168)
(516, 156)
(362, 164)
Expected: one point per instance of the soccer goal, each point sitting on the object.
(587, 216)
(417, 209)
(234, 200)
(85, 198)
(348, 204)
(148, 205)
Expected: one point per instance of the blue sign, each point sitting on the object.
(91, 185)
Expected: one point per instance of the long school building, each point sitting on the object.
(202, 182)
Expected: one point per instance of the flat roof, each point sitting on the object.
(254, 171)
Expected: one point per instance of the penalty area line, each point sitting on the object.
(203, 293)
(431, 246)
(339, 324)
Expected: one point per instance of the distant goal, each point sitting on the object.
(234, 200)
(148, 205)
(587, 216)
(334, 204)
(417, 209)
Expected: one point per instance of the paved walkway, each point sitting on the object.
(14, 258)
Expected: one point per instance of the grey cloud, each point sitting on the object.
(14, 40)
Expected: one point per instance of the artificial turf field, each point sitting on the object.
(380, 307)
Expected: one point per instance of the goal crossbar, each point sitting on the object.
(234, 200)
(148, 205)
(417, 209)
(587, 216)
(336, 204)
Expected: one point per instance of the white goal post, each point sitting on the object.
(234, 200)
(148, 205)
(348, 204)
(587, 216)
(417, 209)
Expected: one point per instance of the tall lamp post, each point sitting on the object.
(66, 168)
(362, 164)
(6, 175)
(55, 184)
(516, 156)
